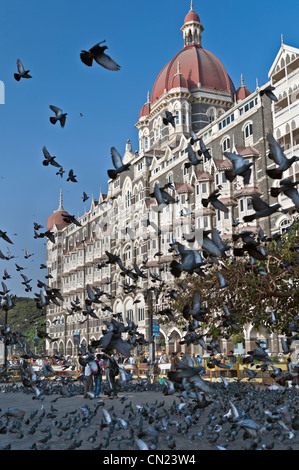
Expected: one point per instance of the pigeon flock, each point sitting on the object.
(191, 413)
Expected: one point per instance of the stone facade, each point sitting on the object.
(124, 221)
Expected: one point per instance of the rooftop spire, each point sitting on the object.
(60, 208)
(191, 6)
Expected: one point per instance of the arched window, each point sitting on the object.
(248, 132)
(226, 144)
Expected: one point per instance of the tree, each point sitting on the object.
(263, 292)
(23, 318)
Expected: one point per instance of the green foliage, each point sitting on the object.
(23, 318)
(253, 291)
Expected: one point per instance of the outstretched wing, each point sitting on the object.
(105, 61)
(116, 158)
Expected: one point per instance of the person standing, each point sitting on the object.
(88, 380)
(174, 362)
(111, 372)
(98, 376)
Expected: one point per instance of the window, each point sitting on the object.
(146, 142)
(224, 180)
(139, 167)
(226, 145)
(217, 179)
(205, 222)
(183, 118)
(248, 131)
(141, 314)
(241, 205)
(249, 203)
(203, 187)
(177, 118)
(130, 314)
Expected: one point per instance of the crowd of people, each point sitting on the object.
(92, 369)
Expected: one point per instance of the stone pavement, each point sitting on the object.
(170, 423)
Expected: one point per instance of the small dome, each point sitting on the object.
(57, 217)
(242, 92)
(146, 108)
(191, 16)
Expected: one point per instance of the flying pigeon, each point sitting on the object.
(118, 164)
(262, 209)
(169, 118)
(97, 53)
(276, 154)
(49, 159)
(241, 167)
(268, 91)
(59, 116)
(22, 73)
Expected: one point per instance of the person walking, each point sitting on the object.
(98, 376)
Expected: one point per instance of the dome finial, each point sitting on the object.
(242, 80)
(60, 208)
(191, 5)
(148, 97)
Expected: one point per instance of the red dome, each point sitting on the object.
(242, 93)
(57, 219)
(145, 110)
(191, 16)
(198, 66)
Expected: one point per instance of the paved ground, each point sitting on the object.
(171, 423)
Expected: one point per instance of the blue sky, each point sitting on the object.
(142, 36)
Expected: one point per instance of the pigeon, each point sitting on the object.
(268, 91)
(71, 219)
(97, 53)
(59, 116)
(72, 177)
(204, 151)
(276, 154)
(241, 167)
(5, 237)
(169, 118)
(22, 73)
(118, 164)
(262, 209)
(60, 172)
(193, 138)
(48, 160)
(287, 187)
(85, 197)
(191, 262)
(213, 199)
(193, 160)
